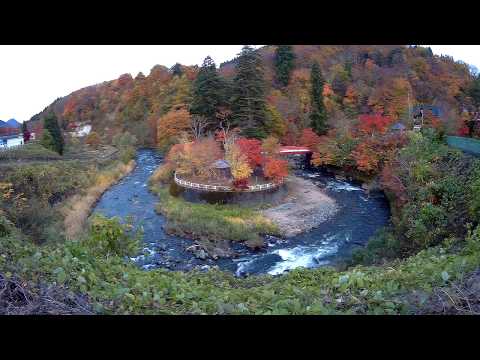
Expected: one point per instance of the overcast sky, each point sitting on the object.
(32, 77)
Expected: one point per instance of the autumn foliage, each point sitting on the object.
(239, 162)
(252, 149)
(195, 158)
(276, 169)
(367, 147)
(309, 139)
(392, 183)
(171, 126)
(374, 124)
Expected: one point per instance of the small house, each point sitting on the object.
(398, 127)
(222, 169)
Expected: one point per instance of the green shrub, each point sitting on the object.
(474, 203)
(124, 139)
(108, 237)
(127, 154)
(48, 142)
(5, 226)
(383, 246)
(439, 185)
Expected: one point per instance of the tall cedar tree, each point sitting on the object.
(207, 91)
(176, 70)
(50, 123)
(318, 114)
(248, 106)
(284, 63)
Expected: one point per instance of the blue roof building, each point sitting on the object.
(398, 127)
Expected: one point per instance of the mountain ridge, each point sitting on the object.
(359, 79)
(10, 123)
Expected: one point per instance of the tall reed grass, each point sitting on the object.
(79, 207)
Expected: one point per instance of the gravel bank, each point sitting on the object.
(305, 207)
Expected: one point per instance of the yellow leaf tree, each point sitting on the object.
(238, 163)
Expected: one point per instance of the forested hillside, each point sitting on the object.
(355, 79)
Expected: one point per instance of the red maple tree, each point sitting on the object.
(252, 149)
(372, 124)
(309, 139)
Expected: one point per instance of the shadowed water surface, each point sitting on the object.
(359, 216)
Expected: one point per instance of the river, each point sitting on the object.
(359, 217)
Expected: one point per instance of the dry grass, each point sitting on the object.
(163, 174)
(79, 207)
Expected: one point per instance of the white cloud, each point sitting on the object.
(466, 53)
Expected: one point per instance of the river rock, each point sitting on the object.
(198, 252)
(162, 247)
(221, 253)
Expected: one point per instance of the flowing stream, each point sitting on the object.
(358, 218)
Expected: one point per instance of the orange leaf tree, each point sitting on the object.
(366, 156)
(275, 169)
(171, 126)
(195, 158)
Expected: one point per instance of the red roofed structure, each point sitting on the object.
(294, 150)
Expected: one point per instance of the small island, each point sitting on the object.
(225, 187)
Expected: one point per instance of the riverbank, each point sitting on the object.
(305, 207)
(213, 226)
(79, 207)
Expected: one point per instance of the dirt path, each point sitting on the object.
(305, 207)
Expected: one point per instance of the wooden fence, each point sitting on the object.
(223, 188)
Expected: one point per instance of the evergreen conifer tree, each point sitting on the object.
(47, 141)
(248, 106)
(284, 63)
(176, 70)
(208, 91)
(318, 114)
(50, 124)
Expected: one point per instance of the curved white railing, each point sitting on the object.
(223, 188)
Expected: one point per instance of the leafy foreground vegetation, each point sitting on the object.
(434, 194)
(213, 223)
(97, 267)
